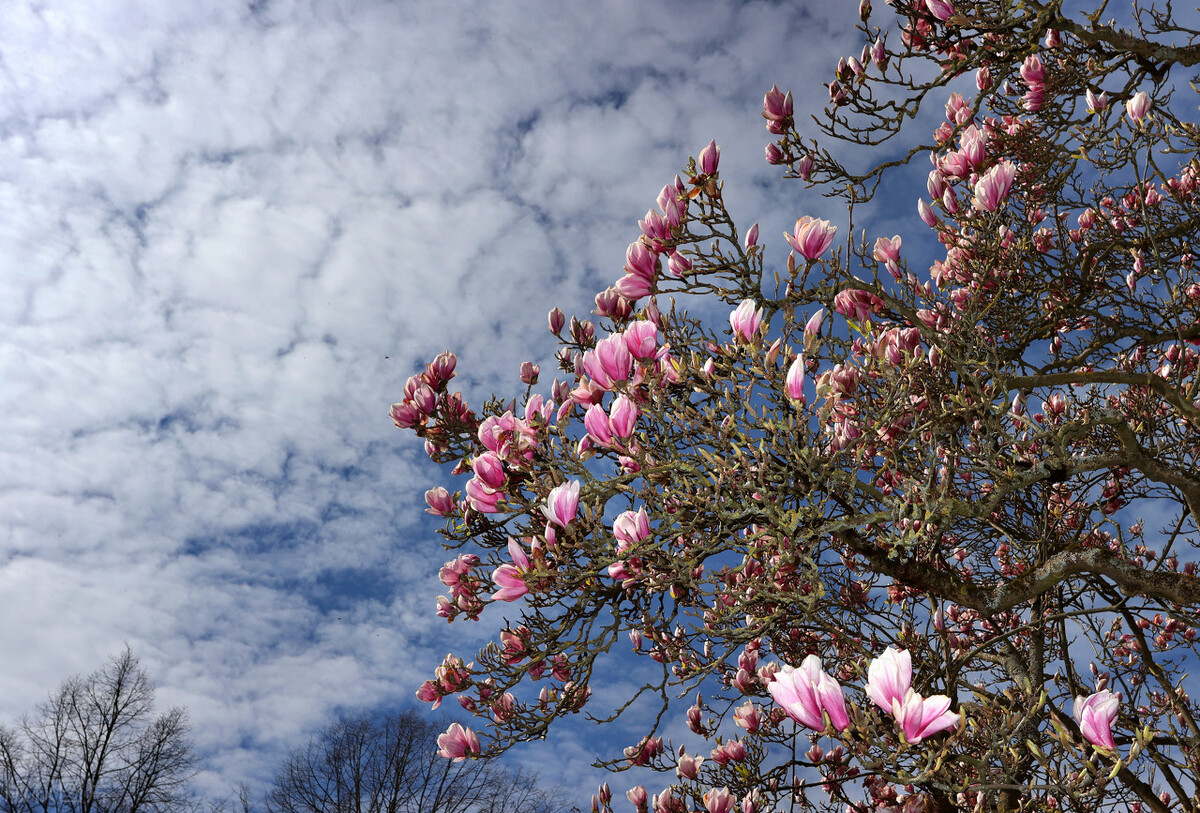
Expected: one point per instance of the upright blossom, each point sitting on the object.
(921, 717)
(993, 187)
(511, 578)
(1138, 107)
(1095, 714)
(745, 320)
(710, 156)
(811, 237)
(889, 678)
(794, 386)
(562, 504)
(806, 692)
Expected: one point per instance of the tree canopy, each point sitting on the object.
(906, 531)
(96, 746)
(389, 764)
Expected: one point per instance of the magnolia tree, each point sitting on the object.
(905, 532)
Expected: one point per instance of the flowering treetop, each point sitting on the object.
(889, 505)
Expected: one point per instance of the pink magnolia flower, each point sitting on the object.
(794, 386)
(439, 501)
(406, 415)
(709, 157)
(1138, 107)
(811, 237)
(689, 766)
(608, 362)
(752, 237)
(633, 287)
(857, 304)
(812, 328)
(993, 187)
(631, 527)
(1095, 714)
(921, 717)
(641, 267)
(973, 145)
(886, 250)
(806, 692)
(1033, 72)
(777, 108)
(595, 420)
(481, 498)
(928, 217)
(511, 578)
(624, 415)
(719, 801)
(941, 9)
(458, 743)
(983, 78)
(490, 470)
(747, 717)
(1096, 103)
(889, 678)
(563, 503)
(745, 320)
(678, 264)
(641, 338)
(805, 167)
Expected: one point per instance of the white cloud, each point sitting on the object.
(230, 235)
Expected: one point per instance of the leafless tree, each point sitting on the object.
(389, 764)
(96, 746)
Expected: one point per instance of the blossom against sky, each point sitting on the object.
(232, 230)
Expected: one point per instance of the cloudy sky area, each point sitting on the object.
(233, 229)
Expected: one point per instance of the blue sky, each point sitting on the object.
(233, 229)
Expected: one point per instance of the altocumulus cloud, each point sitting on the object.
(231, 231)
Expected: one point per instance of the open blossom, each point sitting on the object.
(608, 362)
(631, 527)
(993, 187)
(481, 498)
(689, 766)
(888, 251)
(889, 678)
(511, 578)
(921, 717)
(811, 237)
(747, 717)
(806, 692)
(719, 801)
(563, 503)
(745, 320)
(457, 743)
(1095, 714)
